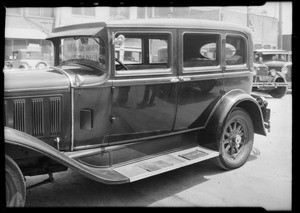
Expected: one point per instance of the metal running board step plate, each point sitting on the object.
(167, 162)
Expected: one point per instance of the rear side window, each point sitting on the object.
(200, 50)
(235, 50)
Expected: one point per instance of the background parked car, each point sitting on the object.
(29, 58)
(273, 71)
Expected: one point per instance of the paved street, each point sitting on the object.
(264, 181)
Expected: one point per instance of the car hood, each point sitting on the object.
(275, 63)
(33, 79)
(60, 77)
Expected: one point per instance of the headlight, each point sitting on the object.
(273, 72)
(284, 70)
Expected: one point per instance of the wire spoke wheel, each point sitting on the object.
(236, 141)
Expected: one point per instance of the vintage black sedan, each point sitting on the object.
(127, 100)
(273, 71)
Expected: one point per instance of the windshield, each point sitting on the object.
(83, 50)
(275, 57)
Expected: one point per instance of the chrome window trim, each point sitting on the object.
(187, 70)
(209, 76)
(236, 67)
(143, 72)
(143, 81)
(201, 68)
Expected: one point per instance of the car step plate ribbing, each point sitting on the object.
(166, 162)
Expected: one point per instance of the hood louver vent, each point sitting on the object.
(37, 117)
(55, 115)
(19, 115)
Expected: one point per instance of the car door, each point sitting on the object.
(201, 77)
(144, 93)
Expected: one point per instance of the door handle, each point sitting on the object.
(181, 78)
(174, 80)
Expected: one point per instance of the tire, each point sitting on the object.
(279, 92)
(24, 66)
(41, 66)
(236, 141)
(14, 184)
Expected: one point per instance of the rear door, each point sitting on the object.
(201, 77)
(144, 93)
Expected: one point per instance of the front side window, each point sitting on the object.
(142, 51)
(235, 50)
(83, 50)
(200, 50)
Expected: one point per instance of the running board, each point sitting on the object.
(164, 163)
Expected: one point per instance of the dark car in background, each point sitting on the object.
(118, 114)
(273, 71)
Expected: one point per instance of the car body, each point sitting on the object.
(181, 100)
(29, 58)
(273, 71)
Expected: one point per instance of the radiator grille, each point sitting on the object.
(55, 115)
(19, 115)
(262, 71)
(37, 117)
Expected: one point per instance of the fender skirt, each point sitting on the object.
(103, 175)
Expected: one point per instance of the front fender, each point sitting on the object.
(232, 99)
(279, 75)
(15, 137)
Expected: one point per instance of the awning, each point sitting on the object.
(24, 33)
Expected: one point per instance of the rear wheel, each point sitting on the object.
(236, 141)
(14, 184)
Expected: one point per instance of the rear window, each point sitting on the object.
(235, 52)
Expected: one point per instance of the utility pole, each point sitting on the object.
(280, 27)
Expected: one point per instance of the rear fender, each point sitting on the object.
(17, 138)
(231, 100)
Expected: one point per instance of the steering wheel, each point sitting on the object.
(123, 65)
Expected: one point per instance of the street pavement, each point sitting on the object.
(264, 181)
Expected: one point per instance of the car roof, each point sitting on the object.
(95, 27)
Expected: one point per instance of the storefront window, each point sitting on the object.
(34, 11)
(41, 12)
(84, 11)
(16, 11)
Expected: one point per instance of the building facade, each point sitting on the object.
(26, 26)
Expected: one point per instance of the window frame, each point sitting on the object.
(145, 72)
(202, 69)
(246, 49)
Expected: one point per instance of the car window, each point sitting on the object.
(129, 52)
(235, 52)
(142, 51)
(158, 51)
(200, 50)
